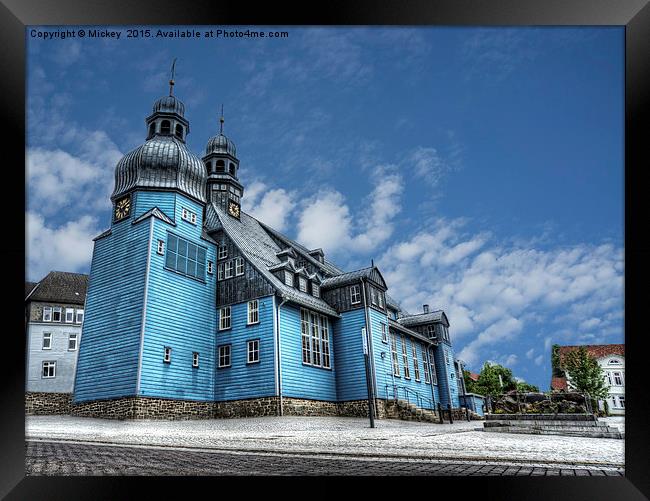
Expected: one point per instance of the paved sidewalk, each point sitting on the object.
(337, 436)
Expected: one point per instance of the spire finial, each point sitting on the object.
(222, 120)
(171, 80)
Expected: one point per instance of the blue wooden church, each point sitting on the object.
(195, 308)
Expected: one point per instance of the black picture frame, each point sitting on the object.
(633, 14)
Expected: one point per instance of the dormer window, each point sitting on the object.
(431, 331)
(179, 131)
(614, 361)
(302, 284)
(288, 278)
(165, 127)
(315, 289)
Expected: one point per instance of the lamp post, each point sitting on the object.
(366, 357)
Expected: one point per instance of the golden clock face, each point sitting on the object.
(122, 208)
(233, 209)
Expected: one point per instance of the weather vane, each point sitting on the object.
(222, 120)
(171, 80)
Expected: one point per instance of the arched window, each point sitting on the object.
(165, 127)
(152, 129)
(179, 131)
(232, 169)
(221, 166)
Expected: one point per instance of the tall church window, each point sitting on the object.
(325, 340)
(315, 340)
(416, 362)
(425, 363)
(185, 257)
(405, 359)
(314, 330)
(393, 352)
(304, 331)
(432, 368)
(165, 127)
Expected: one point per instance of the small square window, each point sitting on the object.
(161, 247)
(56, 314)
(72, 342)
(210, 265)
(47, 314)
(80, 316)
(168, 355)
(195, 359)
(47, 340)
(223, 252)
(253, 351)
(69, 315)
(49, 370)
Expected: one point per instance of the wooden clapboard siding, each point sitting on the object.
(446, 384)
(383, 366)
(243, 380)
(350, 364)
(300, 380)
(108, 353)
(147, 200)
(180, 314)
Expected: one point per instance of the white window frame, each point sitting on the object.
(161, 247)
(315, 289)
(373, 296)
(69, 311)
(253, 312)
(222, 252)
(225, 318)
(432, 368)
(305, 336)
(47, 314)
(77, 315)
(228, 269)
(425, 364)
(73, 336)
(405, 358)
(416, 363)
(355, 292)
(167, 355)
(49, 364)
(288, 278)
(225, 353)
(188, 215)
(302, 284)
(621, 401)
(380, 297)
(394, 355)
(608, 378)
(210, 267)
(618, 378)
(195, 359)
(239, 266)
(59, 310)
(253, 351)
(431, 331)
(384, 333)
(48, 336)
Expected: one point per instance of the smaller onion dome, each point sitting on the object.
(220, 144)
(169, 104)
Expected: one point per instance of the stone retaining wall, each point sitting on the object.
(144, 408)
(254, 407)
(40, 403)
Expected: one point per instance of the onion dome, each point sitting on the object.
(220, 144)
(162, 162)
(169, 104)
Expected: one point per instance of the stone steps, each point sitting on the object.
(566, 432)
(566, 424)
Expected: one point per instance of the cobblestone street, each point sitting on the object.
(65, 458)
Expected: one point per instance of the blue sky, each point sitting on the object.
(481, 168)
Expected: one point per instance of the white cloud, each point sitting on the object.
(539, 360)
(64, 248)
(272, 207)
(530, 353)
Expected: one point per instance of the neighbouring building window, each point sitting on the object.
(425, 363)
(355, 294)
(224, 318)
(56, 314)
(608, 378)
(618, 378)
(314, 330)
(210, 265)
(384, 334)
(224, 355)
(253, 312)
(621, 401)
(69, 315)
(195, 359)
(72, 342)
(49, 370)
(315, 289)
(416, 363)
(253, 349)
(188, 215)
(288, 278)
(223, 252)
(239, 266)
(80, 316)
(405, 359)
(302, 284)
(228, 269)
(167, 358)
(185, 257)
(47, 340)
(161, 247)
(47, 314)
(393, 351)
(220, 271)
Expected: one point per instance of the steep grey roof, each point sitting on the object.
(399, 327)
(161, 162)
(155, 212)
(371, 273)
(424, 318)
(260, 250)
(220, 144)
(61, 287)
(169, 104)
(327, 267)
(29, 287)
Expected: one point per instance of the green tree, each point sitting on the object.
(555, 361)
(470, 384)
(488, 380)
(524, 387)
(585, 374)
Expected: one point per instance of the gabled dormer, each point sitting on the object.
(315, 281)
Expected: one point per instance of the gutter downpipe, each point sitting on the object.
(373, 383)
(433, 392)
(278, 355)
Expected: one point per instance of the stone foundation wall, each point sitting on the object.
(144, 408)
(354, 408)
(255, 407)
(39, 403)
(303, 407)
